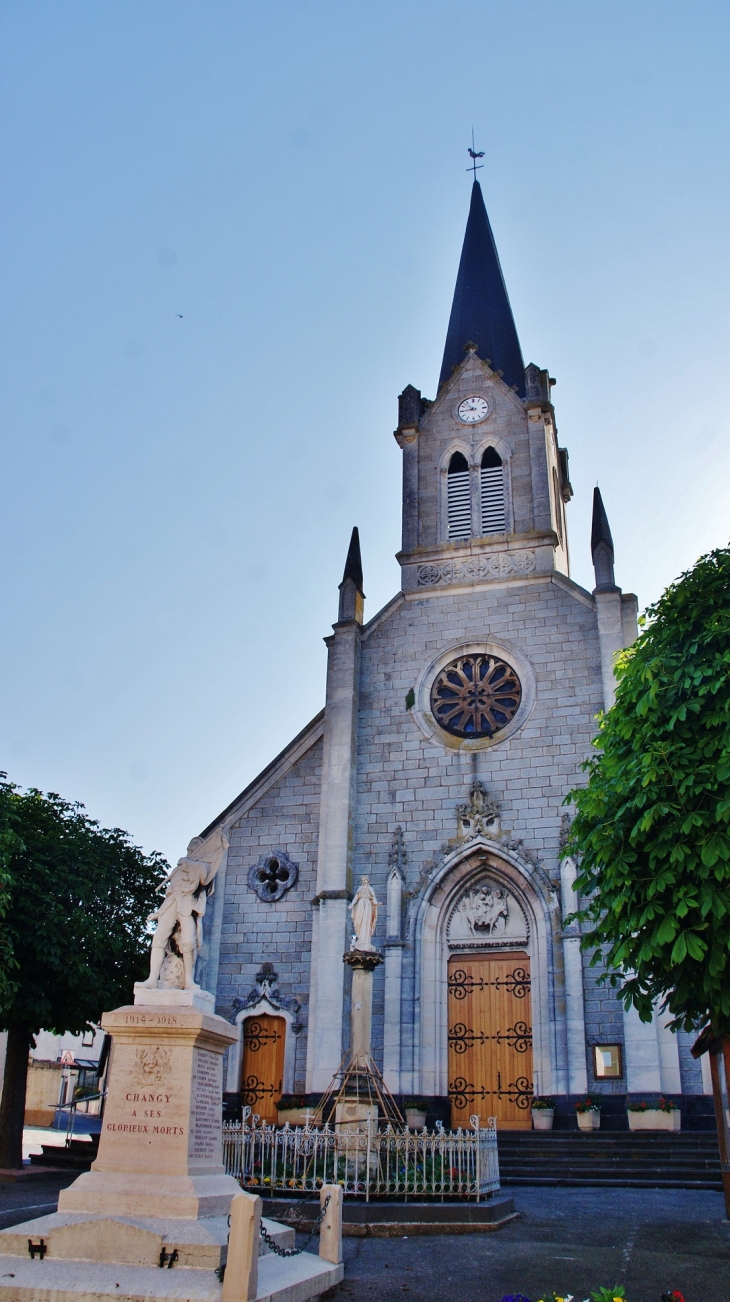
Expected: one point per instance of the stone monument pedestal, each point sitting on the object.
(157, 1194)
(160, 1149)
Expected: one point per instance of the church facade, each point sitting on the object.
(455, 723)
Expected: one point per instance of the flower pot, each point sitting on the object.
(590, 1120)
(295, 1116)
(542, 1118)
(655, 1119)
(416, 1119)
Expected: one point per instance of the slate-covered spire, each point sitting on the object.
(481, 312)
(351, 593)
(601, 545)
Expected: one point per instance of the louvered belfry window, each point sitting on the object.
(494, 519)
(459, 497)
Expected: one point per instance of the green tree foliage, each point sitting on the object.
(652, 827)
(74, 899)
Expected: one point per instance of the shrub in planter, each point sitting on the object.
(543, 1112)
(664, 1115)
(588, 1113)
(415, 1110)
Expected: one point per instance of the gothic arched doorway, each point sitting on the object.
(262, 1074)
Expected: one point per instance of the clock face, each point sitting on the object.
(472, 410)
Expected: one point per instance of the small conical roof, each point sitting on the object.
(600, 532)
(481, 312)
(353, 564)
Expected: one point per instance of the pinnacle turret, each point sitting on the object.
(601, 545)
(351, 593)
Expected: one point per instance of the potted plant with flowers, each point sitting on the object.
(292, 1108)
(588, 1113)
(416, 1110)
(664, 1115)
(543, 1112)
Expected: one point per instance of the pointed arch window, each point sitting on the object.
(494, 515)
(459, 495)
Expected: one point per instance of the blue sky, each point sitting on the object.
(178, 490)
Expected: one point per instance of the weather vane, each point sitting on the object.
(474, 155)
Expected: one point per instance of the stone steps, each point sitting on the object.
(76, 1156)
(615, 1160)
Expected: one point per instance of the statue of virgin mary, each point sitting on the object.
(364, 910)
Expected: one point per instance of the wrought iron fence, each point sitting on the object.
(367, 1162)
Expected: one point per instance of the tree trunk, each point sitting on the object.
(12, 1108)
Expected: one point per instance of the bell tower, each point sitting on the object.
(485, 483)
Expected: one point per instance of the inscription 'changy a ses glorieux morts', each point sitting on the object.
(147, 1113)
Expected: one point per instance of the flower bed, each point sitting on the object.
(368, 1162)
(615, 1294)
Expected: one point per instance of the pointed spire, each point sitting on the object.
(481, 312)
(352, 597)
(601, 544)
(353, 564)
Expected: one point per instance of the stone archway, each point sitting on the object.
(438, 929)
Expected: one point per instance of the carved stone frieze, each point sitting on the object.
(477, 569)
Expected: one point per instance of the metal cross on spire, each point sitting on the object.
(474, 155)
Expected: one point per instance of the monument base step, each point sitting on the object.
(394, 1220)
(290, 1279)
(130, 1240)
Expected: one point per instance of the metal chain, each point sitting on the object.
(273, 1246)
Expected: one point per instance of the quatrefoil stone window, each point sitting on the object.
(273, 875)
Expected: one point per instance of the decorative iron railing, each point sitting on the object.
(367, 1162)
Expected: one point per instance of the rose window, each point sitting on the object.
(476, 696)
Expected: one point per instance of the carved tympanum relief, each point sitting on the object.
(487, 915)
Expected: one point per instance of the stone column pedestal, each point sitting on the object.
(160, 1150)
(363, 963)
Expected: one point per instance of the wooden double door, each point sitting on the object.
(490, 1039)
(262, 1074)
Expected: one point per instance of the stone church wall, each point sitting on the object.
(255, 931)
(406, 779)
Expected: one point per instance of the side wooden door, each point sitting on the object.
(490, 1039)
(262, 1075)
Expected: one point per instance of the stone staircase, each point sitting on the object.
(620, 1160)
(76, 1156)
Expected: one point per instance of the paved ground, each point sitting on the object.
(571, 1240)
(28, 1198)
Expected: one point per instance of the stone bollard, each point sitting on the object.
(330, 1233)
(240, 1281)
